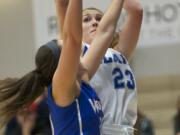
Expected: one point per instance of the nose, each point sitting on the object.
(95, 23)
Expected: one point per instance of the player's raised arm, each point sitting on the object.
(64, 80)
(129, 34)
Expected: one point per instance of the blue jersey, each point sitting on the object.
(82, 117)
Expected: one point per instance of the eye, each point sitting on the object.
(98, 18)
(86, 19)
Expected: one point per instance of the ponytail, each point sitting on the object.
(18, 94)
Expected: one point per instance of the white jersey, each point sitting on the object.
(115, 85)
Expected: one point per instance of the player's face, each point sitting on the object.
(90, 22)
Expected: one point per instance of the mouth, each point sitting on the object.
(93, 31)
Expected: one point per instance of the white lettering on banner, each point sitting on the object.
(161, 23)
(166, 13)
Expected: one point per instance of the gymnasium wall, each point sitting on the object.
(16, 38)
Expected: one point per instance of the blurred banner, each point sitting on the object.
(161, 22)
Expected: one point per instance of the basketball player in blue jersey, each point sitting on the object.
(75, 109)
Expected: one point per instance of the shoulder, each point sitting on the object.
(116, 56)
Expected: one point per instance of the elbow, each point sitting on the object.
(72, 34)
(136, 14)
(139, 14)
(138, 11)
(135, 11)
(71, 37)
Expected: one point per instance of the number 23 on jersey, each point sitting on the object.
(123, 79)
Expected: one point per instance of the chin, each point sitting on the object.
(91, 39)
(93, 35)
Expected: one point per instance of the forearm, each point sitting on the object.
(73, 28)
(111, 16)
(61, 8)
(95, 53)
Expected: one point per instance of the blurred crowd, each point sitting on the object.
(31, 121)
(176, 119)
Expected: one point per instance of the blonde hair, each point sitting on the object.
(92, 8)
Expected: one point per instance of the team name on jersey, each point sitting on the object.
(96, 105)
(117, 58)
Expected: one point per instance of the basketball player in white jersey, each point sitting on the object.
(114, 81)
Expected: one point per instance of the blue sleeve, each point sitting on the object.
(58, 111)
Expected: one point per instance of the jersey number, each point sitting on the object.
(119, 76)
